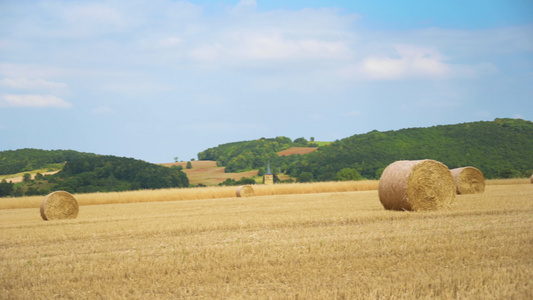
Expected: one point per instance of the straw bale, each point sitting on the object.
(416, 185)
(59, 205)
(468, 180)
(531, 178)
(245, 191)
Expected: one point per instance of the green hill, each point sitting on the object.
(23, 160)
(85, 173)
(501, 148)
(250, 155)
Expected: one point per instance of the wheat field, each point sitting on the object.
(329, 245)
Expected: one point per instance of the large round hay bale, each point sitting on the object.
(468, 180)
(245, 191)
(59, 205)
(416, 185)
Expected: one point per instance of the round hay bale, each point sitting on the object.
(59, 205)
(416, 185)
(245, 191)
(531, 178)
(468, 180)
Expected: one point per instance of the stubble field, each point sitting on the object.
(330, 245)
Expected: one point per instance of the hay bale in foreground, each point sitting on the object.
(245, 191)
(59, 205)
(468, 180)
(416, 185)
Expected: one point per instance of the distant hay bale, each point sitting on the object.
(468, 180)
(416, 185)
(245, 191)
(59, 205)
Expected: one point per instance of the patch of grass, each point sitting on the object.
(17, 176)
(321, 143)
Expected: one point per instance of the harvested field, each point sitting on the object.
(206, 172)
(297, 150)
(341, 245)
(16, 178)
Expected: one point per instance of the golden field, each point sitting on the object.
(316, 244)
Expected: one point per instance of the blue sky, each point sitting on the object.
(158, 79)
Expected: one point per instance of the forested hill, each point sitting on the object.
(500, 148)
(85, 173)
(22, 160)
(111, 173)
(249, 155)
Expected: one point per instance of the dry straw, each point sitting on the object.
(59, 205)
(245, 191)
(468, 180)
(416, 185)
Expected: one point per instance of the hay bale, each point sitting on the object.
(245, 191)
(468, 180)
(531, 178)
(416, 185)
(59, 205)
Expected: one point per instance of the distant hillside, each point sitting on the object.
(251, 155)
(98, 173)
(206, 172)
(23, 160)
(501, 148)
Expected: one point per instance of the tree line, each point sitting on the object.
(250, 155)
(23, 160)
(100, 174)
(499, 148)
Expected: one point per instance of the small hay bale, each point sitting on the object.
(416, 185)
(245, 191)
(59, 205)
(468, 180)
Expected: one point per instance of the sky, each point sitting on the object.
(156, 80)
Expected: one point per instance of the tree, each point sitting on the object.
(189, 165)
(175, 159)
(305, 177)
(26, 177)
(347, 174)
(300, 142)
(6, 188)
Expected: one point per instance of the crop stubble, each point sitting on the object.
(329, 245)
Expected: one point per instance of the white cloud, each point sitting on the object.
(33, 101)
(245, 6)
(102, 110)
(413, 61)
(13, 70)
(173, 42)
(352, 113)
(170, 42)
(32, 84)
